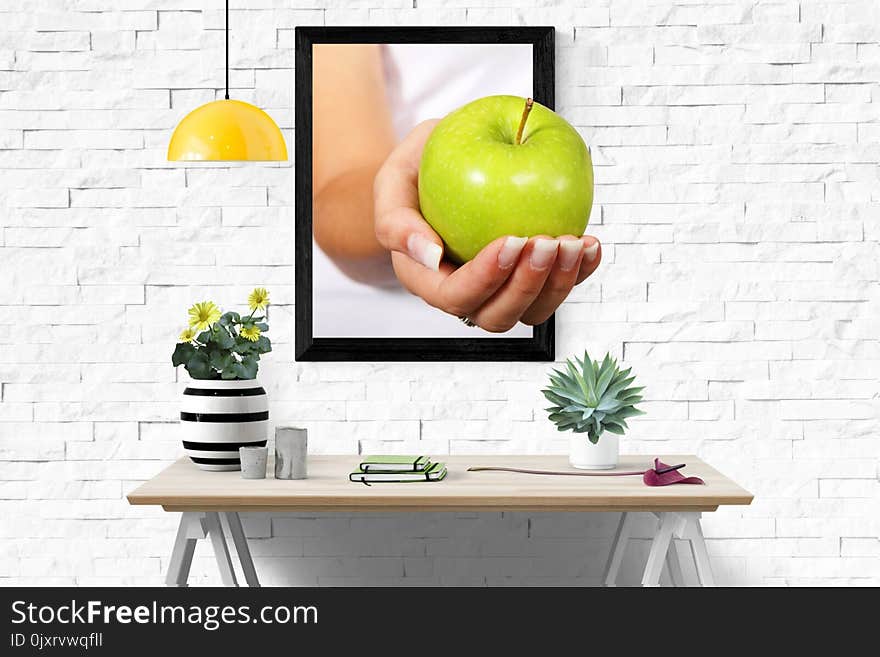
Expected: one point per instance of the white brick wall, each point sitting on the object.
(736, 151)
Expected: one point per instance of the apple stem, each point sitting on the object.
(522, 121)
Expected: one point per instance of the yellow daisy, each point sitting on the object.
(251, 333)
(258, 299)
(187, 335)
(202, 315)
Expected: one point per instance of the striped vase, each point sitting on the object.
(218, 417)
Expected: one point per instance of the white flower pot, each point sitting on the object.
(584, 455)
(217, 417)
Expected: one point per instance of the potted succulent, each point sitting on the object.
(593, 399)
(224, 407)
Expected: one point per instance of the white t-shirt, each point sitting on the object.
(423, 81)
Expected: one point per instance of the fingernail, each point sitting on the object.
(509, 253)
(543, 253)
(424, 251)
(591, 251)
(569, 252)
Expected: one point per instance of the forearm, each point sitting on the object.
(343, 227)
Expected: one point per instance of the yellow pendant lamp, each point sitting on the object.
(227, 130)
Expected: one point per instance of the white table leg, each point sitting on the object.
(694, 532)
(195, 525)
(673, 564)
(221, 551)
(241, 547)
(189, 531)
(659, 548)
(671, 526)
(618, 548)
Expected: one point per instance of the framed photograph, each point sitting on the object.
(360, 91)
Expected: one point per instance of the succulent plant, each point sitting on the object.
(592, 398)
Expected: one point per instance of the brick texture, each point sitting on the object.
(736, 147)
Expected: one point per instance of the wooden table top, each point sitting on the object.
(183, 487)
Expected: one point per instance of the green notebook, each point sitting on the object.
(434, 472)
(395, 463)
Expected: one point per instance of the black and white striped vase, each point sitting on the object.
(218, 417)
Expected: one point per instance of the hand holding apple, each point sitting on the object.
(511, 279)
(504, 165)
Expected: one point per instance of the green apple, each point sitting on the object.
(502, 165)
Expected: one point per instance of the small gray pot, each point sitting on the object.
(253, 462)
(291, 452)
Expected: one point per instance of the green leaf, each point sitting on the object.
(628, 412)
(582, 383)
(221, 337)
(262, 326)
(204, 337)
(559, 375)
(577, 399)
(242, 347)
(183, 351)
(580, 364)
(605, 374)
(247, 368)
(554, 398)
(221, 361)
(609, 405)
(589, 374)
(621, 374)
(617, 386)
(617, 422)
(562, 422)
(230, 318)
(199, 367)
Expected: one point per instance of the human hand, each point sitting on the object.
(512, 279)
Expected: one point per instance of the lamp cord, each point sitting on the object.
(227, 49)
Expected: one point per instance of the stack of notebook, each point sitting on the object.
(374, 469)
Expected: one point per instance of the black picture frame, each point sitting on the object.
(307, 347)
